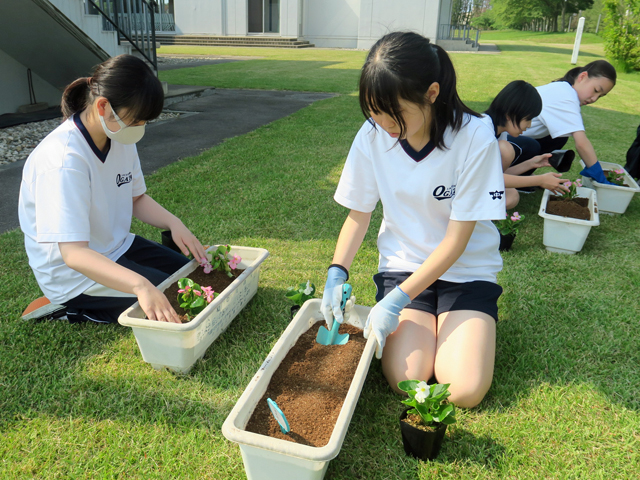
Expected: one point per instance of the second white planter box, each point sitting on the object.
(178, 346)
(564, 234)
(267, 458)
(612, 198)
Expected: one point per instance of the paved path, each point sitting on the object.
(219, 115)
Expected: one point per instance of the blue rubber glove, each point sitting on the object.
(385, 317)
(332, 296)
(595, 172)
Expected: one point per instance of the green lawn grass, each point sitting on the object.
(77, 401)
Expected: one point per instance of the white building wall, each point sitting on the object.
(325, 23)
(331, 23)
(379, 17)
(15, 89)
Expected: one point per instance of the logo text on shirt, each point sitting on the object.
(123, 178)
(497, 195)
(442, 193)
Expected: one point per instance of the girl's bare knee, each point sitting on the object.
(468, 394)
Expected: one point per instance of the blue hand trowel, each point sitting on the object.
(332, 337)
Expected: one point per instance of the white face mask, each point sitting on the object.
(127, 135)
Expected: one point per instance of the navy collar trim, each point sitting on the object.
(422, 154)
(102, 156)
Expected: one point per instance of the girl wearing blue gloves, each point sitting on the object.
(561, 117)
(436, 169)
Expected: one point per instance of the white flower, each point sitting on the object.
(422, 392)
(309, 289)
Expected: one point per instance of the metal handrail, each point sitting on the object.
(458, 32)
(140, 31)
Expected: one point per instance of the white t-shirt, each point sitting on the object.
(72, 192)
(488, 121)
(560, 115)
(463, 183)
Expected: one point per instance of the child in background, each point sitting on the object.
(510, 114)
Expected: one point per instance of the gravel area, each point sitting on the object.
(16, 143)
(180, 59)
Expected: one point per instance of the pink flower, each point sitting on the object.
(515, 217)
(207, 267)
(233, 263)
(208, 291)
(620, 171)
(182, 290)
(578, 182)
(197, 292)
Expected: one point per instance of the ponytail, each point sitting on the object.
(125, 81)
(403, 65)
(76, 97)
(598, 68)
(448, 108)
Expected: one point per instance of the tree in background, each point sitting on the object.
(622, 27)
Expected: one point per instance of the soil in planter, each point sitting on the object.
(575, 208)
(216, 279)
(310, 386)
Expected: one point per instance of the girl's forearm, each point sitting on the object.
(147, 210)
(443, 257)
(100, 269)
(585, 148)
(353, 231)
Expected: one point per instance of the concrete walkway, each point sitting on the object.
(210, 118)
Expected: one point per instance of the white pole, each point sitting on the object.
(598, 24)
(576, 45)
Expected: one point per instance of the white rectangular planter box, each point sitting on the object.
(268, 458)
(612, 198)
(178, 346)
(564, 234)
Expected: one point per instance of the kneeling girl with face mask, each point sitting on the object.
(81, 187)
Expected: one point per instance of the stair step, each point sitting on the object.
(232, 41)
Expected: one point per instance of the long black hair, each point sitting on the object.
(518, 101)
(126, 81)
(598, 68)
(403, 65)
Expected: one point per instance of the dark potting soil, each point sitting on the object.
(310, 386)
(574, 208)
(416, 422)
(216, 279)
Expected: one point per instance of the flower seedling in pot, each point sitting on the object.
(222, 260)
(573, 189)
(304, 292)
(429, 402)
(509, 226)
(193, 298)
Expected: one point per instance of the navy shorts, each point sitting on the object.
(443, 296)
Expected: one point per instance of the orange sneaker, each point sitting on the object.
(41, 308)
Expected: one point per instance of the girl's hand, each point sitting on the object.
(554, 182)
(155, 304)
(540, 161)
(384, 318)
(187, 242)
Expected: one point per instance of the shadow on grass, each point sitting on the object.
(309, 76)
(542, 49)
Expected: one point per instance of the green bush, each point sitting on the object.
(622, 26)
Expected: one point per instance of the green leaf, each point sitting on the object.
(408, 385)
(198, 302)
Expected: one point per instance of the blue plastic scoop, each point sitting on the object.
(279, 416)
(332, 337)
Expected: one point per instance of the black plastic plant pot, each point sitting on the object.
(294, 310)
(506, 241)
(167, 241)
(561, 160)
(421, 444)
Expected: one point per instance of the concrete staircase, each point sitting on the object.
(223, 41)
(91, 25)
(458, 45)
